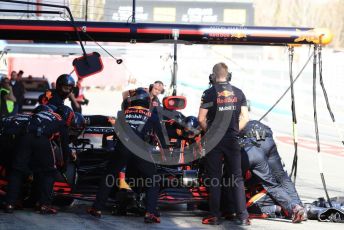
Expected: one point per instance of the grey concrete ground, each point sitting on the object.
(175, 217)
(76, 218)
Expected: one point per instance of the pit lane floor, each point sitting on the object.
(176, 217)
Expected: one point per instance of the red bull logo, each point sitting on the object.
(225, 93)
(227, 100)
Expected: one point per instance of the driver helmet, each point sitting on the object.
(191, 127)
(139, 97)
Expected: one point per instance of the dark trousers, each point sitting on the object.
(266, 165)
(265, 204)
(7, 143)
(278, 171)
(121, 158)
(229, 149)
(32, 154)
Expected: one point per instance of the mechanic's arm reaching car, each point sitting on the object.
(75, 103)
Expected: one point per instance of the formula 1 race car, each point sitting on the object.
(180, 165)
(180, 178)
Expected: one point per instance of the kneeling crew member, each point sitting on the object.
(260, 150)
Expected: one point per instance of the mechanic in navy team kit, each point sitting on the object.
(34, 153)
(142, 122)
(224, 101)
(260, 155)
(155, 90)
(11, 128)
(64, 87)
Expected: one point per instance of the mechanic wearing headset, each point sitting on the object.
(155, 90)
(224, 101)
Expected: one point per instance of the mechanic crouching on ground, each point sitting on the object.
(260, 152)
(34, 153)
(142, 122)
(227, 104)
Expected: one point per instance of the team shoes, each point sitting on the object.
(213, 220)
(46, 210)
(41, 209)
(94, 212)
(149, 218)
(299, 214)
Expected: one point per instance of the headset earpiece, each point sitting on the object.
(212, 79)
(150, 87)
(229, 76)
